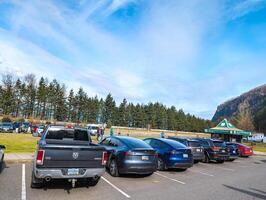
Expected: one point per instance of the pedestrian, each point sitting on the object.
(98, 133)
(102, 135)
(162, 135)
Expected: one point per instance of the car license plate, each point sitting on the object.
(198, 150)
(185, 155)
(144, 157)
(223, 151)
(72, 172)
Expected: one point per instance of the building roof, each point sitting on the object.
(225, 127)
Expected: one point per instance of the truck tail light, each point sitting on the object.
(104, 159)
(40, 157)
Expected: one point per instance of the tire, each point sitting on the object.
(160, 165)
(196, 161)
(92, 181)
(36, 182)
(231, 160)
(113, 169)
(220, 161)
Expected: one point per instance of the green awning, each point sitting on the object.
(225, 127)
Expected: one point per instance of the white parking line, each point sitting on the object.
(23, 184)
(169, 178)
(119, 190)
(203, 173)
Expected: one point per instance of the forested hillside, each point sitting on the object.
(28, 97)
(249, 107)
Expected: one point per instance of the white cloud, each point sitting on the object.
(157, 60)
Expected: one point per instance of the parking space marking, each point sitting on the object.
(169, 178)
(23, 183)
(203, 173)
(115, 187)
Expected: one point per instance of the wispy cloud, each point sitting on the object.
(170, 51)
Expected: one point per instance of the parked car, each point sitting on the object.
(67, 153)
(197, 149)
(92, 128)
(233, 151)
(214, 150)
(244, 151)
(25, 127)
(2, 154)
(127, 155)
(171, 154)
(37, 130)
(6, 127)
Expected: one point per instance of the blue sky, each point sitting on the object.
(191, 54)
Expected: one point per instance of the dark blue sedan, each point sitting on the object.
(127, 155)
(171, 154)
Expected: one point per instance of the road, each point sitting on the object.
(242, 179)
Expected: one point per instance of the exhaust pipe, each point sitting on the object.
(47, 178)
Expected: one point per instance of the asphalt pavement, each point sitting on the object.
(242, 179)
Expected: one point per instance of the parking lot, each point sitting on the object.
(244, 178)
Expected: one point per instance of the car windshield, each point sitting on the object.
(134, 143)
(219, 144)
(94, 127)
(71, 134)
(193, 144)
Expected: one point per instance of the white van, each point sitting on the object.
(92, 128)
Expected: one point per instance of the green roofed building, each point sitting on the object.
(227, 131)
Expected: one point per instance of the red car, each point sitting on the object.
(244, 151)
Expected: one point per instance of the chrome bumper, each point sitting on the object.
(58, 174)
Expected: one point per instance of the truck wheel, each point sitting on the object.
(160, 164)
(92, 181)
(36, 182)
(113, 168)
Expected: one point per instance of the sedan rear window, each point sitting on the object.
(219, 144)
(134, 143)
(193, 144)
(64, 134)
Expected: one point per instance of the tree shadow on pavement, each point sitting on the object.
(253, 194)
(258, 190)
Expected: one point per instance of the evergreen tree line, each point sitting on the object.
(28, 97)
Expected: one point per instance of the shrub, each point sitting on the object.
(6, 119)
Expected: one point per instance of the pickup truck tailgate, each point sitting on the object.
(62, 156)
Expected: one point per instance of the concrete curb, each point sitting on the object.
(258, 153)
(13, 157)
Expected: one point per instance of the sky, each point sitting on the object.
(191, 54)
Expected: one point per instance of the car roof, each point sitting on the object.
(184, 138)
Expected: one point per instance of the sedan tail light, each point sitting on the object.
(40, 157)
(104, 158)
(216, 148)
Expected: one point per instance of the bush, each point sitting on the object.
(6, 119)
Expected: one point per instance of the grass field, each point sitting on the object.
(26, 143)
(18, 143)
(257, 146)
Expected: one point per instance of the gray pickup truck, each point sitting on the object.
(65, 152)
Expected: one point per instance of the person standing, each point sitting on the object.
(98, 133)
